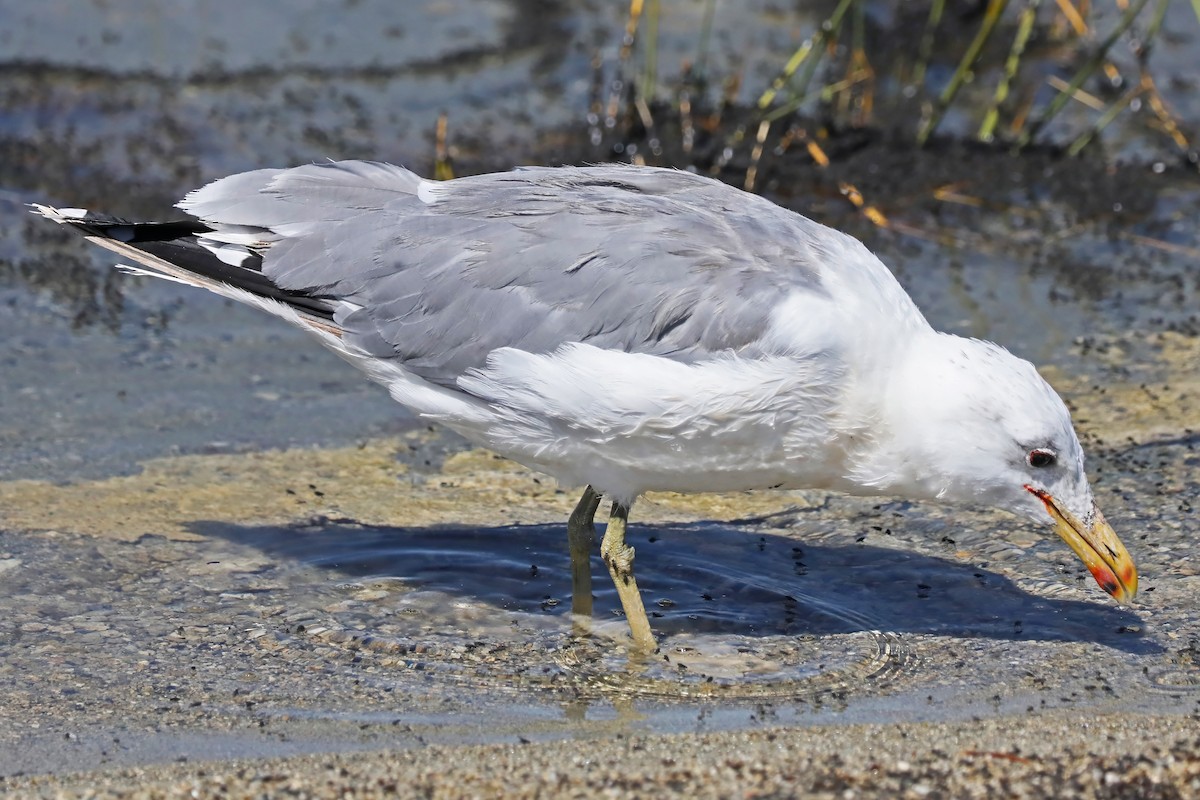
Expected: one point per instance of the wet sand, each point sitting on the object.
(1043, 756)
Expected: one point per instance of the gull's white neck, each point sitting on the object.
(929, 414)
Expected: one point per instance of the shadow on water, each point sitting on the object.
(697, 579)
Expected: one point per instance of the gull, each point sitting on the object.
(633, 329)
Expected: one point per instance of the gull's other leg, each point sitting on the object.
(581, 533)
(619, 558)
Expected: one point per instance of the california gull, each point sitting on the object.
(632, 329)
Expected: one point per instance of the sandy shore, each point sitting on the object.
(1051, 756)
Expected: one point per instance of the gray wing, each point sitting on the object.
(438, 275)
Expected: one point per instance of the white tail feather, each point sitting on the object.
(146, 273)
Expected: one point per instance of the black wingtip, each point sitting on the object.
(176, 242)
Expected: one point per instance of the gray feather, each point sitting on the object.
(634, 259)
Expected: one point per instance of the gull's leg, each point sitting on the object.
(581, 533)
(619, 558)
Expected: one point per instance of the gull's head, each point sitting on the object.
(968, 422)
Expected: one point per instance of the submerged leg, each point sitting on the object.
(619, 558)
(581, 533)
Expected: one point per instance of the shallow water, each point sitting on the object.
(177, 584)
(325, 634)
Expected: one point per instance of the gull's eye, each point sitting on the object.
(1041, 458)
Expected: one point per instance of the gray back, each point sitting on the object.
(634, 259)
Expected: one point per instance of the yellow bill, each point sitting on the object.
(1097, 546)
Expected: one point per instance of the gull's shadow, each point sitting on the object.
(702, 577)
